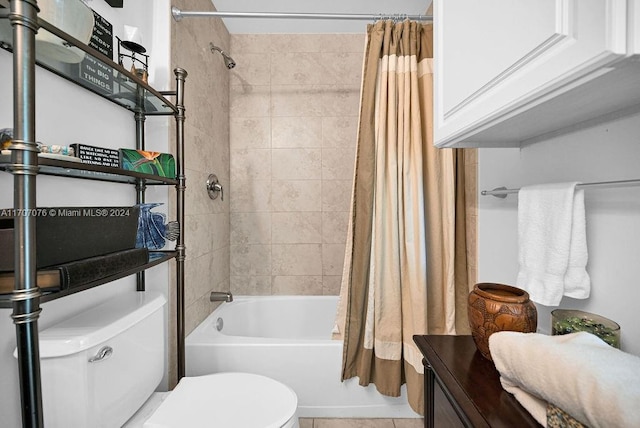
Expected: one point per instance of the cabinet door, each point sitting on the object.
(497, 58)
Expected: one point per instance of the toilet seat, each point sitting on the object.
(227, 400)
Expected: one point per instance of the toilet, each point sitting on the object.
(102, 366)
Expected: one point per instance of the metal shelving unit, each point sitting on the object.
(127, 91)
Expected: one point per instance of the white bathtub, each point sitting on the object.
(288, 338)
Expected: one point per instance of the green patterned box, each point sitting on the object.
(155, 163)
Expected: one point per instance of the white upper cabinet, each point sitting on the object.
(512, 72)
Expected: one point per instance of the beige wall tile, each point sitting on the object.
(196, 199)
(297, 227)
(341, 68)
(252, 69)
(250, 195)
(291, 68)
(332, 259)
(296, 43)
(298, 100)
(197, 226)
(246, 285)
(219, 231)
(251, 228)
(197, 311)
(344, 42)
(297, 285)
(250, 164)
(331, 285)
(198, 157)
(334, 227)
(313, 96)
(253, 260)
(297, 259)
(340, 132)
(297, 195)
(197, 274)
(296, 164)
(250, 133)
(296, 132)
(218, 278)
(338, 164)
(340, 100)
(250, 101)
(336, 195)
(250, 43)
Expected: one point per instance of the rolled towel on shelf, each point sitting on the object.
(593, 382)
(552, 244)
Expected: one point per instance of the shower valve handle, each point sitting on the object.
(214, 187)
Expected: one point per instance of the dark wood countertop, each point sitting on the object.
(472, 383)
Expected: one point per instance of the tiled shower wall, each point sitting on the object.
(294, 103)
(206, 151)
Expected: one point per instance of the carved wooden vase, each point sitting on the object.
(498, 307)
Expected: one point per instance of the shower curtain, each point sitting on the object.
(405, 269)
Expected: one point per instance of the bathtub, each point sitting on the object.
(288, 338)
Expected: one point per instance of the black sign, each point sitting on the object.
(97, 155)
(96, 73)
(115, 3)
(102, 37)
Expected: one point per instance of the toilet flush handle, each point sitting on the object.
(104, 353)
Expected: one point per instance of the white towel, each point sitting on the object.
(552, 243)
(593, 382)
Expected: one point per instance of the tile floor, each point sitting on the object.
(361, 423)
(444, 417)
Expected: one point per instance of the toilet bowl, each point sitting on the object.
(106, 362)
(229, 400)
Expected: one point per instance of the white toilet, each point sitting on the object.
(99, 367)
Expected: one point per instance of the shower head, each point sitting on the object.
(228, 61)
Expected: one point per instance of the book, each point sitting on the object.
(81, 272)
(75, 274)
(66, 234)
(48, 279)
(155, 163)
(93, 155)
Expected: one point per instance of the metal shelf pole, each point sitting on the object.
(181, 75)
(26, 295)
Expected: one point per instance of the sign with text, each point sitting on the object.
(97, 74)
(97, 155)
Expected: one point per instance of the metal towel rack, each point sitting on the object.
(503, 192)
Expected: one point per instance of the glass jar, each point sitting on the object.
(565, 321)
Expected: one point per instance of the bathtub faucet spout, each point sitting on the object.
(221, 296)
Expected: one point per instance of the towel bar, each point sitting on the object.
(502, 192)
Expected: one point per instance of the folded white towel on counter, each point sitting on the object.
(552, 243)
(595, 383)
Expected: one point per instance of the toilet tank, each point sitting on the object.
(101, 365)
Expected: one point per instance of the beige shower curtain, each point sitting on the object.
(401, 275)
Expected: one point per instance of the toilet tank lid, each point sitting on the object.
(98, 324)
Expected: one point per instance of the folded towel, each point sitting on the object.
(552, 243)
(595, 383)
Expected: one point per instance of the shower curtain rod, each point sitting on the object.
(502, 192)
(179, 14)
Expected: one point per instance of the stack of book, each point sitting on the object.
(80, 272)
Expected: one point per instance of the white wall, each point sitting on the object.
(609, 151)
(67, 114)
